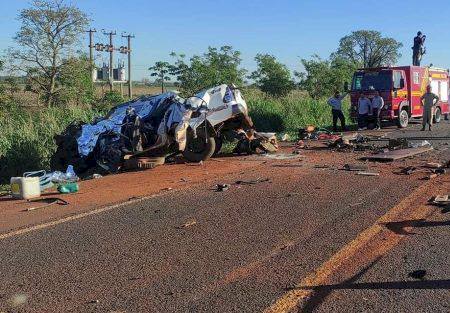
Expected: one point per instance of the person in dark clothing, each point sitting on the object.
(336, 110)
(418, 48)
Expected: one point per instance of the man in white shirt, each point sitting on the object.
(336, 109)
(377, 105)
(364, 106)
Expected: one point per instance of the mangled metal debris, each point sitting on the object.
(398, 154)
(160, 126)
(355, 167)
(252, 142)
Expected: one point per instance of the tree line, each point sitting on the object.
(46, 55)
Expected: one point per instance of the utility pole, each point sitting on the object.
(128, 50)
(110, 49)
(91, 51)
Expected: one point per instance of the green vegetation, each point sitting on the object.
(272, 77)
(325, 77)
(368, 48)
(290, 113)
(26, 139)
(216, 66)
(49, 33)
(161, 70)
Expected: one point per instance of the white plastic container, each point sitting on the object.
(25, 187)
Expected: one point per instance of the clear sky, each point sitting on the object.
(288, 29)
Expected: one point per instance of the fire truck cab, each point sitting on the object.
(402, 89)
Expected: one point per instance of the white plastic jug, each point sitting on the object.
(25, 187)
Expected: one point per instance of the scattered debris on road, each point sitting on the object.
(189, 223)
(49, 202)
(68, 188)
(252, 182)
(433, 165)
(222, 187)
(32, 184)
(254, 142)
(397, 154)
(431, 176)
(440, 200)
(418, 274)
(368, 174)
(409, 170)
(322, 166)
(355, 167)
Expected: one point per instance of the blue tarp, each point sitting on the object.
(143, 107)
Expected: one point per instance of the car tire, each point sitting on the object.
(437, 116)
(403, 119)
(200, 148)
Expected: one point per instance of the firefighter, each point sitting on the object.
(336, 110)
(377, 105)
(364, 106)
(418, 48)
(429, 100)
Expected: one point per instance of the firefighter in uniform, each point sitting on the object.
(429, 100)
(418, 48)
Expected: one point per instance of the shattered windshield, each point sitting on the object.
(372, 81)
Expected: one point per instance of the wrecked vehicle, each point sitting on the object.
(154, 126)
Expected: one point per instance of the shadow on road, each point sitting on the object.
(399, 227)
(321, 292)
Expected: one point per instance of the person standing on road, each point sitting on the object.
(336, 110)
(377, 105)
(364, 106)
(429, 101)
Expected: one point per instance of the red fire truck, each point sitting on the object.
(401, 88)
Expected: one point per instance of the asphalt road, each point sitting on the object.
(240, 250)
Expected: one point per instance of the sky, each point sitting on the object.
(287, 29)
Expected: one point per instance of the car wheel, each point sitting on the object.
(200, 148)
(437, 116)
(403, 119)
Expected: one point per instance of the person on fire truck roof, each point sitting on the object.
(418, 48)
(429, 100)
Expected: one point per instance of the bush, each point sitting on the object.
(110, 99)
(290, 113)
(26, 139)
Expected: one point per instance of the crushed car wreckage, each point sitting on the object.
(156, 126)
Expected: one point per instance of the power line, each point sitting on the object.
(110, 48)
(127, 50)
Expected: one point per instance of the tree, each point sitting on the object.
(161, 70)
(271, 76)
(216, 66)
(322, 78)
(50, 30)
(75, 75)
(368, 48)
